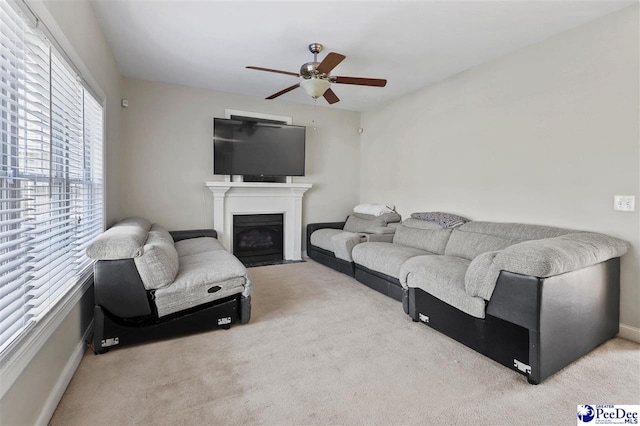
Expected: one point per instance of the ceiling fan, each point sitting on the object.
(317, 78)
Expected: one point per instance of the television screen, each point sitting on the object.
(243, 147)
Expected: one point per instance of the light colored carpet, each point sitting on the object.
(322, 348)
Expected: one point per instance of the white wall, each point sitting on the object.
(35, 392)
(167, 153)
(34, 396)
(547, 135)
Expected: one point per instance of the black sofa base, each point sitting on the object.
(329, 259)
(385, 284)
(110, 331)
(535, 326)
(496, 338)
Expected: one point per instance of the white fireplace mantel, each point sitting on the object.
(236, 198)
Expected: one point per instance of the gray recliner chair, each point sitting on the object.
(150, 284)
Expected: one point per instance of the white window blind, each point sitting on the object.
(51, 189)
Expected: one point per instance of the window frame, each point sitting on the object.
(17, 356)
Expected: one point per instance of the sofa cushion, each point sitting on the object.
(422, 235)
(161, 233)
(469, 245)
(124, 240)
(386, 258)
(357, 224)
(443, 278)
(514, 231)
(383, 230)
(390, 218)
(158, 262)
(343, 243)
(197, 281)
(475, 238)
(322, 238)
(197, 245)
(378, 237)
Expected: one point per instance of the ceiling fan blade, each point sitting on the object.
(377, 82)
(282, 92)
(271, 70)
(331, 97)
(330, 62)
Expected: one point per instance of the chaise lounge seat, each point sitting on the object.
(332, 243)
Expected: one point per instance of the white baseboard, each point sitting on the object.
(629, 332)
(63, 381)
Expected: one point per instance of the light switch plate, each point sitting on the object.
(624, 203)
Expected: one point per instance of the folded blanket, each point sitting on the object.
(445, 220)
(374, 209)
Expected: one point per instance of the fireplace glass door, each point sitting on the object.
(258, 238)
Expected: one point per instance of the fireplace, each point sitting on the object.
(243, 198)
(258, 238)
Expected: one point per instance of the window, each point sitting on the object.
(51, 186)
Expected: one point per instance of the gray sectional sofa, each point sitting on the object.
(332, 243)
(534, 298)
(150, 283)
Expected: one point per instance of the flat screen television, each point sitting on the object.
(245, 147)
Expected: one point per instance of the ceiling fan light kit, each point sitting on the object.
(315, 87)
(316, 78)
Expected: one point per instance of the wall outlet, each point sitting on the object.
(624, 203)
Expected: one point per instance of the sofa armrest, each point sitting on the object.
(542, 258)
(119, 289)
(315, 226)
(312, 227)
(554, 256)
(567, 315)
(193, 233)
(343, 243)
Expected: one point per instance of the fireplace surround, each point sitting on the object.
(244, 198)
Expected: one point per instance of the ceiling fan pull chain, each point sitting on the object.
(315, 109)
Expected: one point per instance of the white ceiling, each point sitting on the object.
(412, 44)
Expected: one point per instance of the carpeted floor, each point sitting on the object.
(322, 348)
